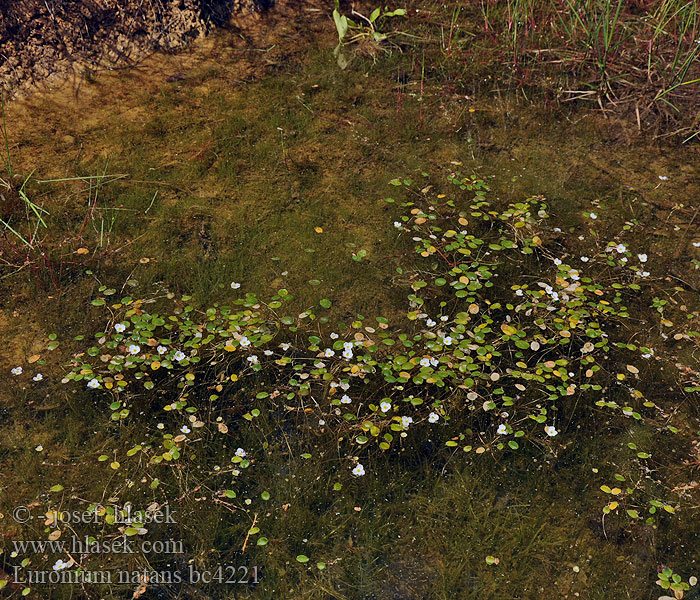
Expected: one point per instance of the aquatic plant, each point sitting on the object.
(507, 351)
(367, 31)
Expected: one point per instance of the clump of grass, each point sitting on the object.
(47, 249)
(633, 59)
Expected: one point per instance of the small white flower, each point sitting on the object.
(406, 421)
(160, 426)
(358, 471)
(550, 430)
(284, 346)
(425, 362)
(240, 452)
(348, 345)
(179, 356)
(576, 568)
(39, 448)
(321, 422)
(444, 318)
(430, 323)
(93, 383)
(502, 429)
(329, 352)
(347, 354)
(645, 273)
(518, 292)
(134, 348)
(593, 215)
(663, 178)
(585, 259)
(244, 342)
(185, 429)
(16, 371)
(433, 417)
(235, 285)
(385, 406)
(253, 359)
(38, 377)
(447, 341)
(235, 472)
(397, 224)
(642, 257)
(557, 261)
(59, 565)
(120, 327)
(696, 244)
(267, 352)
(161, 349)
(434, 362)
(334, 336)
(621, 248)
(346, 399)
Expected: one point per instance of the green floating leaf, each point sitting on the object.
(302, 559)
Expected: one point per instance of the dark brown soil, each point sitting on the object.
(44, 38)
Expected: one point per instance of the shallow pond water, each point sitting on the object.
(258, 162)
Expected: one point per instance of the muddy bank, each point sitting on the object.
(40, 39)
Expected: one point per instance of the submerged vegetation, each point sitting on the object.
(362, 338)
